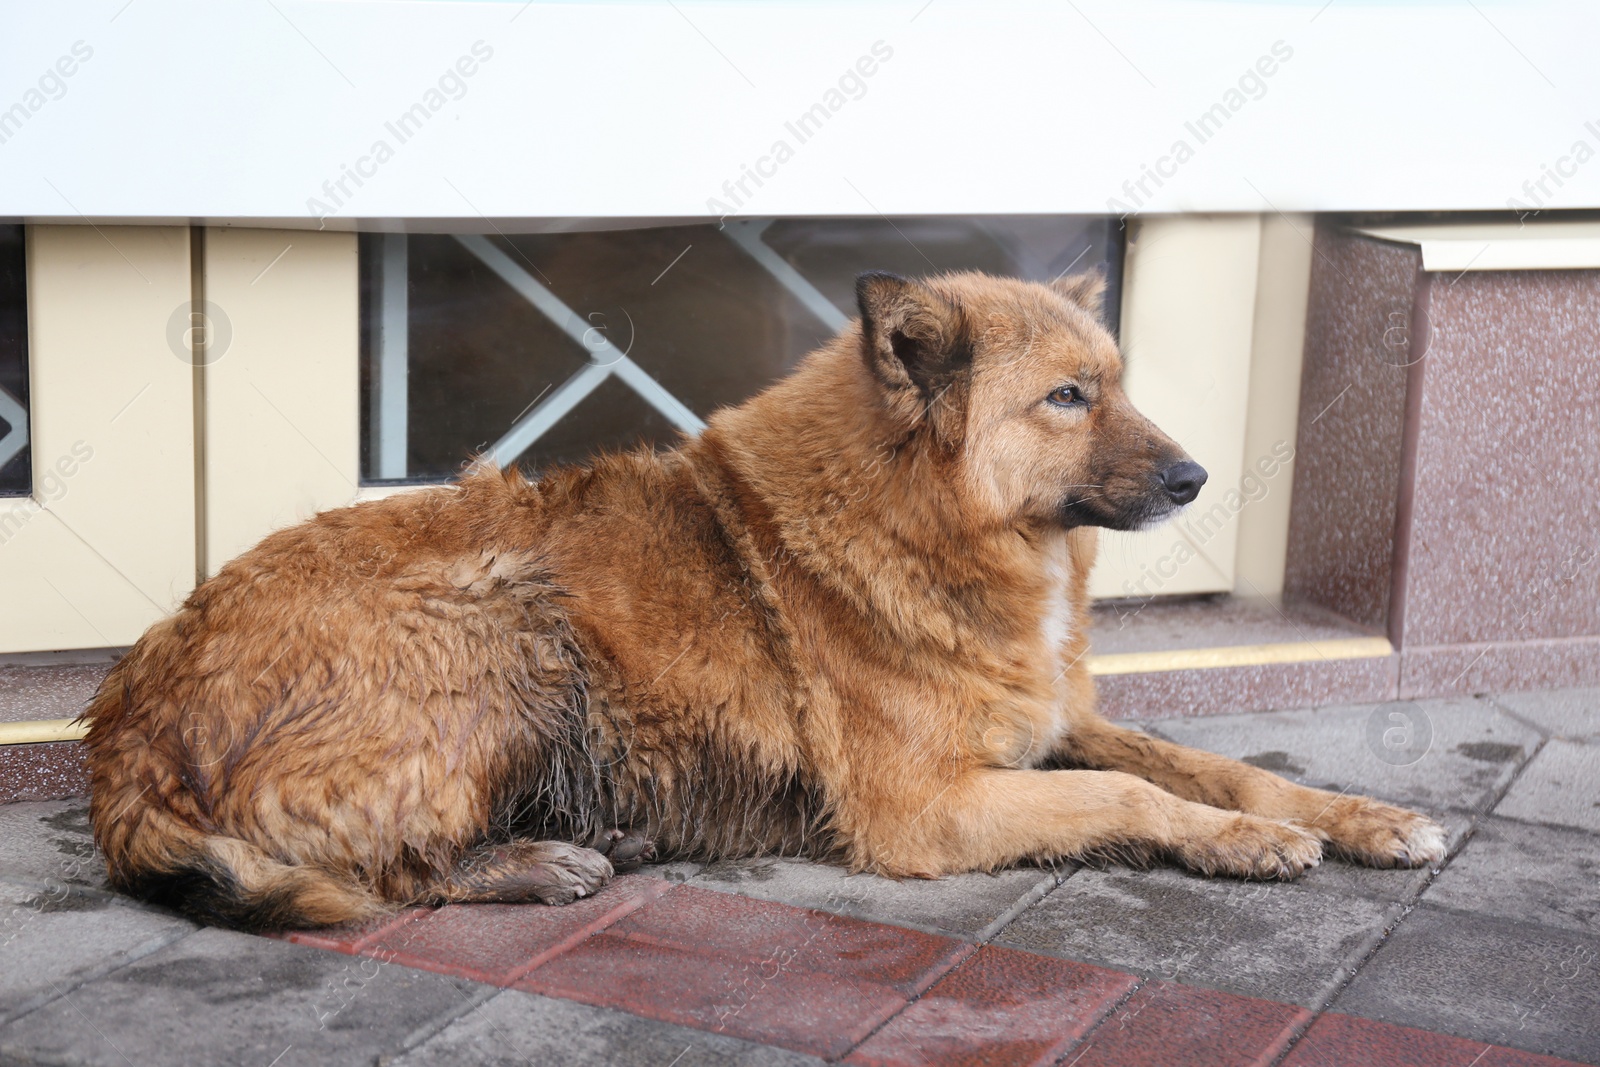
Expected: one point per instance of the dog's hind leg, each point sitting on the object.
(515, 872)
(549, 872)
(1357, 827)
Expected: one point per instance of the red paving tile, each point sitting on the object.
(1347, 1041)
(1000, 1006)
(1169, 1023)
(781, 936)
(820, 1013)
(496, 943)
(821, 983)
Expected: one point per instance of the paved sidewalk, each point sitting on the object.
(1492, 960)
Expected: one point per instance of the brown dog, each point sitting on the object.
(847, 620)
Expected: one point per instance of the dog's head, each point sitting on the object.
(1021, 386)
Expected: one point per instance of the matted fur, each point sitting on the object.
(847, 620)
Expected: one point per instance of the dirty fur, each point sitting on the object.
(848, 620)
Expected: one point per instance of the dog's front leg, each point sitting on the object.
(988, 818)
(1357, 827)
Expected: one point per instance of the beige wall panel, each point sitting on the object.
(1187, 317)
(282, 400)
(105, 545)
(1282, 290)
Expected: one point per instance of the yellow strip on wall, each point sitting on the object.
(1183, 659)
(1202, 659)
(37, 730)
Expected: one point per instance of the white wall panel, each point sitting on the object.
(189, 108)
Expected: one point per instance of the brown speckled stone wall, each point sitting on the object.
(1502, 666)
(46, 771)
(49, 770)
(1504, 554)
(56, 692)
(1352, 419)
(1449, 448)
(1229, 690)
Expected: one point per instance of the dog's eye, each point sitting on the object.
(1066, 396)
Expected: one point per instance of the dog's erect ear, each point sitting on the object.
(1087, 290)
(914, 337)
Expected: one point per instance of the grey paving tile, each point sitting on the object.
(1533, 873)
(515, 1029)
(674, 870)
(1276, 940)
(48, 842)
(1518, 984)
(1561, 786)
(1570, 713)
(1430, 754)
(218, 997)
(1375, 883)
(54, 939)
(966, 905)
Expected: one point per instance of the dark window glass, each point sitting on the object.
(16, 466)
(541, 348)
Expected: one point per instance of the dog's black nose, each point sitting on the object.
(1182, 481)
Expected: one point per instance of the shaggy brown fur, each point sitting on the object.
(847, 620)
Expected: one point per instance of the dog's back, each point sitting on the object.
(350, 714)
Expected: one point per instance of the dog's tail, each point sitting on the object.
(156, 835)
(226, 881)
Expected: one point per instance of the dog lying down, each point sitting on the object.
(848, 620)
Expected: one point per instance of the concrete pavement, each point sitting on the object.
(1494, 956)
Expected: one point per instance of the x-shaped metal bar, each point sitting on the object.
(606, 360)
(15, 413)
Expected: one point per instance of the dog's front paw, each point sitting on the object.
(1381, 835)
(1248, 846)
